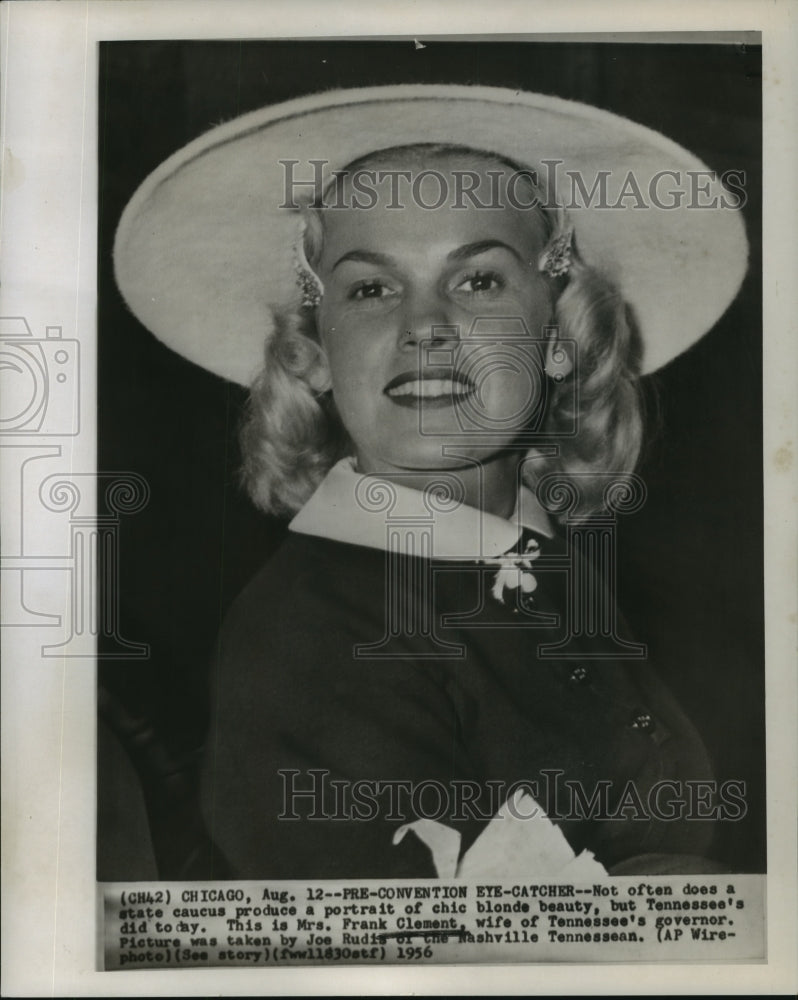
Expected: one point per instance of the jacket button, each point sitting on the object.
(579, 676)
(643, 721)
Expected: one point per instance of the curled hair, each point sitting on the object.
(291, 434)
(605, 405)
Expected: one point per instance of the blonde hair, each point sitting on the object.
(291, 433)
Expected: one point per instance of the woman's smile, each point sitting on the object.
(431, 388)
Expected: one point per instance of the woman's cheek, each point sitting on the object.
(353, 378)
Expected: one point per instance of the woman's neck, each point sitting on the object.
(490, 484)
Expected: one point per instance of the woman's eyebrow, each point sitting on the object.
(482, 246)
(464, 252)
(365, 257)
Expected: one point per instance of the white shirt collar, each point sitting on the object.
(368, 510)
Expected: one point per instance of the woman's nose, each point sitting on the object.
(429, 318)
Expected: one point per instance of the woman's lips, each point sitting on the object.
(432, 389)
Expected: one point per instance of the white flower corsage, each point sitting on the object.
(515, 570)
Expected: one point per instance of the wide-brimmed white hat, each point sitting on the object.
(203, 251)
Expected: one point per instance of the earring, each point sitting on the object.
(555, 260)
(559, 362)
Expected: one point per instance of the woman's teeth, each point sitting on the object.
(427, 388)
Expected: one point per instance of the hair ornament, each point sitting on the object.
(555, 261)
(307, 280)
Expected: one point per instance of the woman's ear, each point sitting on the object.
(559, 357)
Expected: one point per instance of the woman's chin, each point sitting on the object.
(428, 455)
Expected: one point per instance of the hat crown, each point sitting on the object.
(203, 249)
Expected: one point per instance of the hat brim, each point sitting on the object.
(203, 249)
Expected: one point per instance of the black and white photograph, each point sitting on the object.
(500, 459)
(424, 567)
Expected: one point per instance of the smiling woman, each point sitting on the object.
(442, 370)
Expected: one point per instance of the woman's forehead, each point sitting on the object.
(450, 197)
(468, 176)
(382, 230)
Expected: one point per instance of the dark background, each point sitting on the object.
(690, 575)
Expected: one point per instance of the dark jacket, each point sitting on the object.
(299, 704)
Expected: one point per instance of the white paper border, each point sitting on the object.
(48, 224)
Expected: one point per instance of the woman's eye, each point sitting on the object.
(370, 290)
(483, 281)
